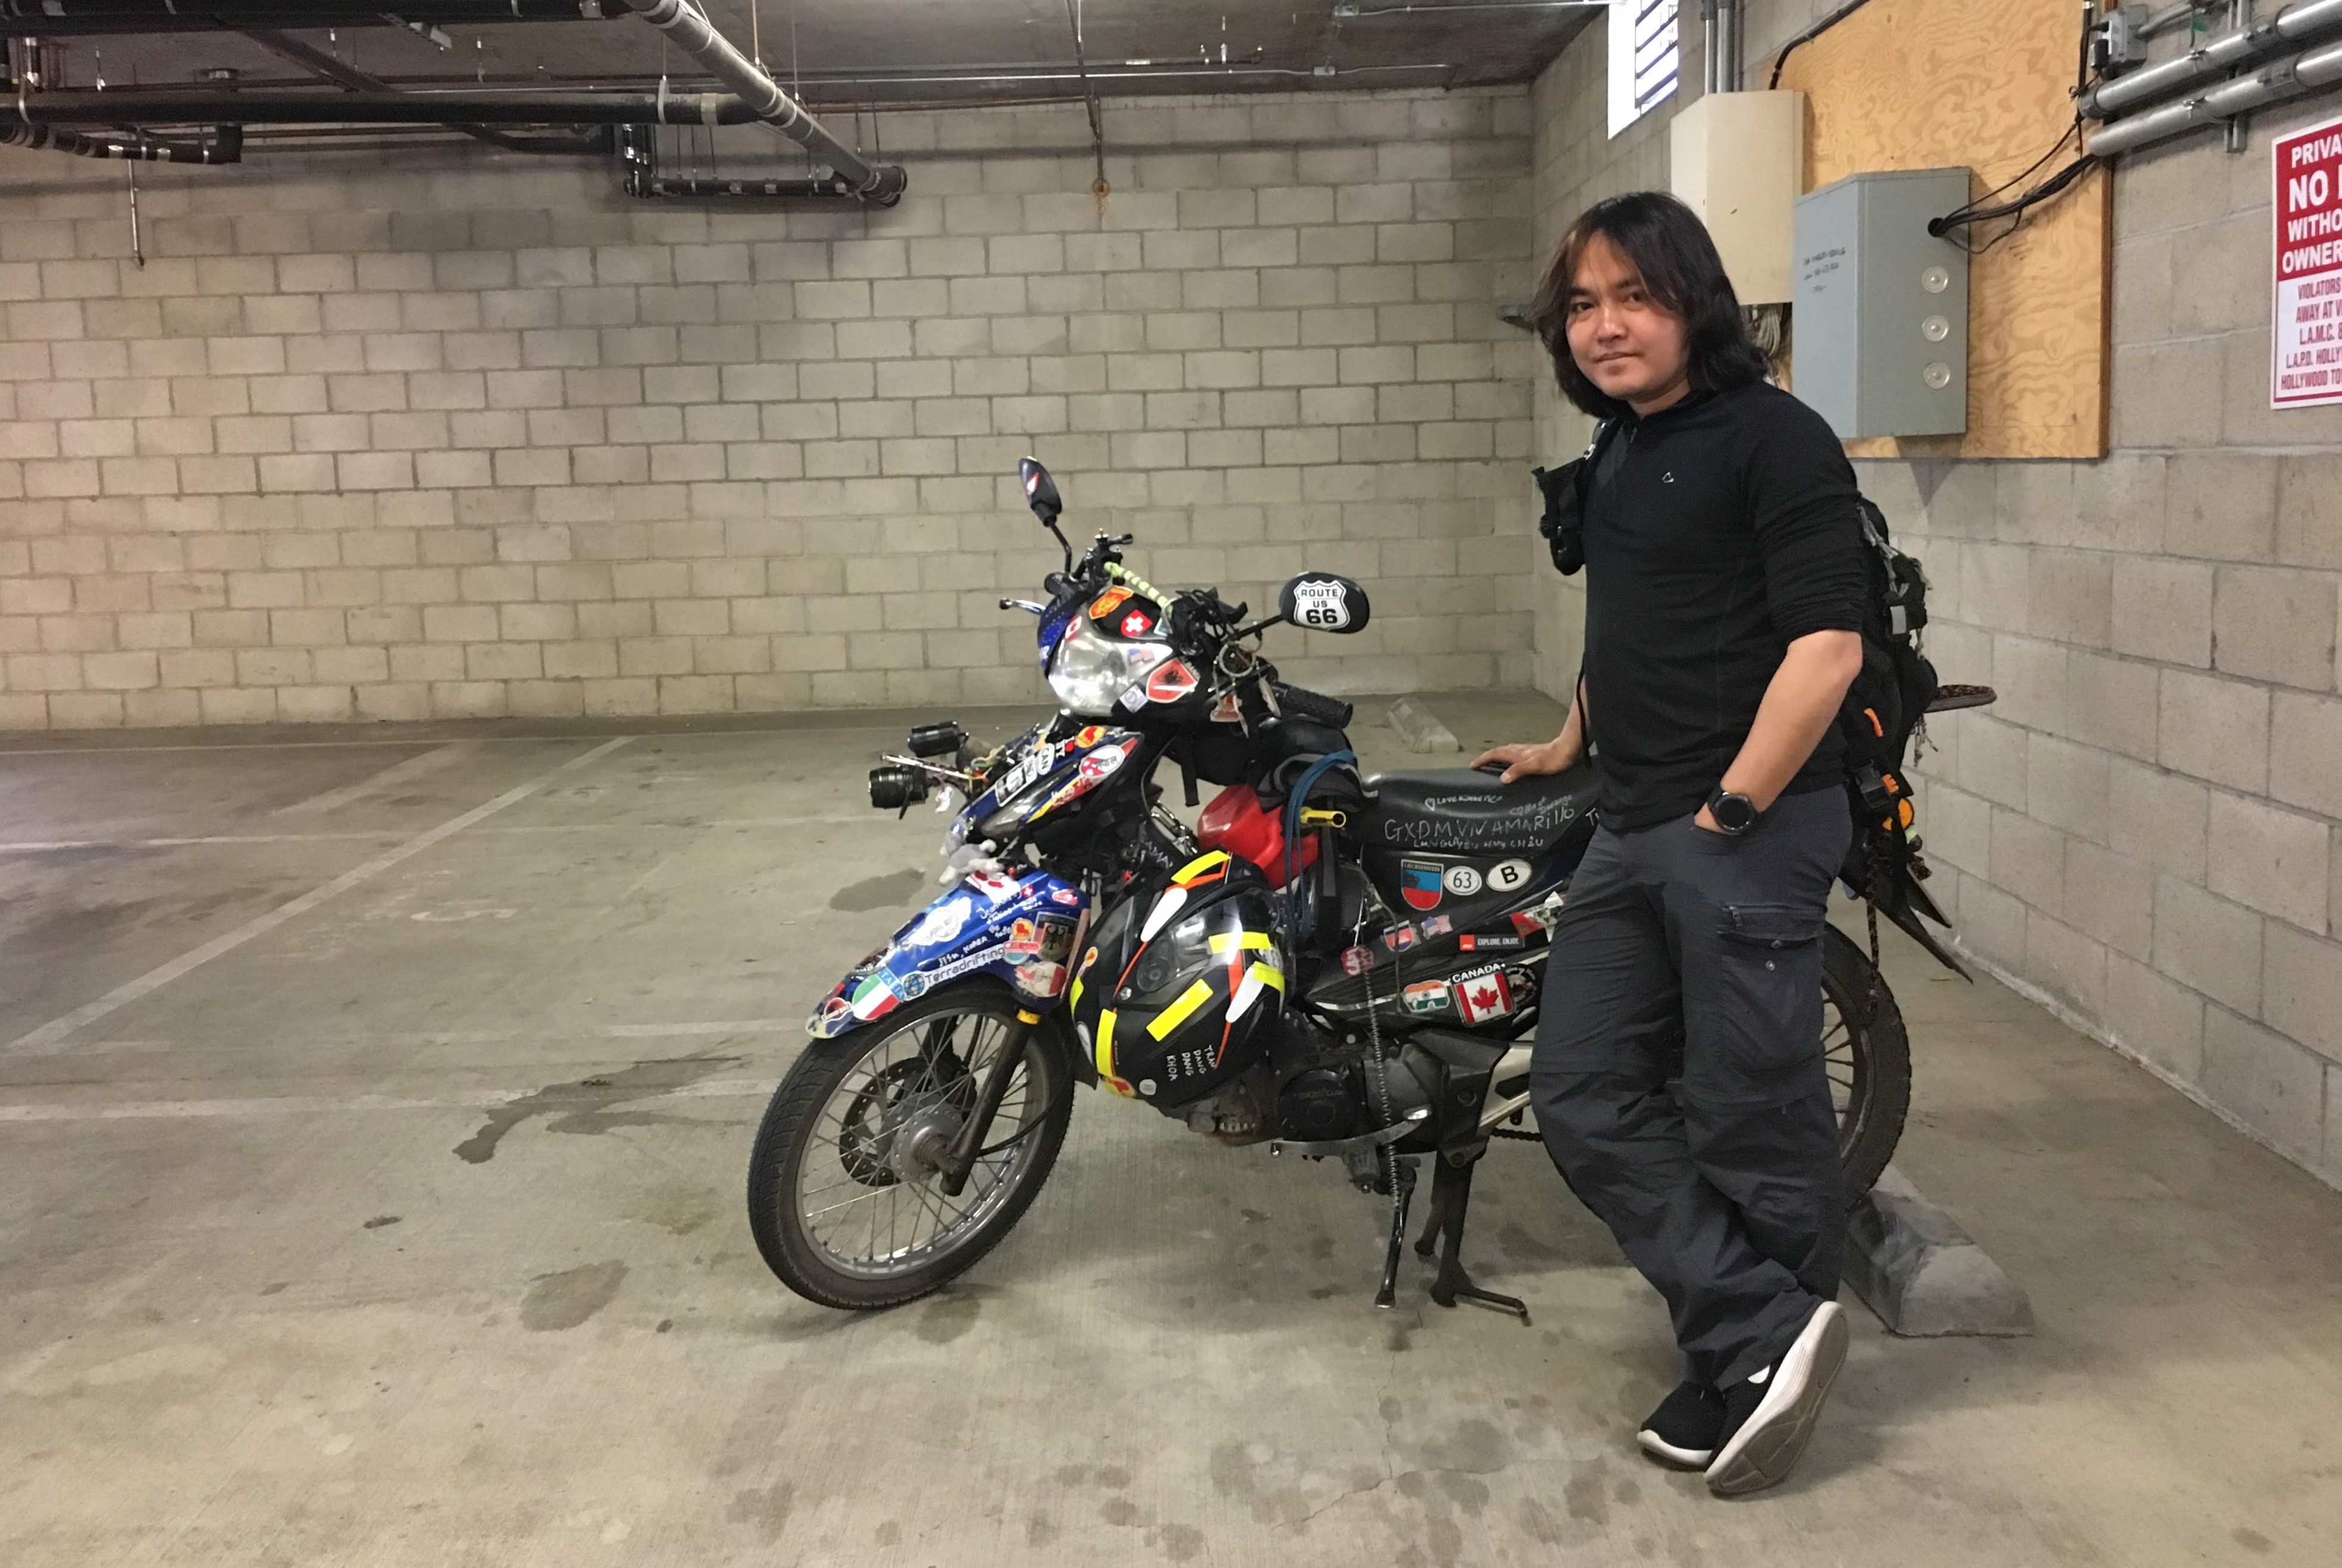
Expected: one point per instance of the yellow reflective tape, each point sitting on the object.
(1105, 1043)
(1025, 1017)
(1073, 1002)
(1179, 1011)
(1197, 866)
(1224, 940)
(1269, 974)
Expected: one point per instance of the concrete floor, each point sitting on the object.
(315, 1249)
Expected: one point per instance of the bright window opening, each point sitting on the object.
(1645, 58)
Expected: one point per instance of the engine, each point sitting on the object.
(1324, 1086)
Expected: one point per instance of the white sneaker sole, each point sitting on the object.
(1666, 1452)
(1768, 1443)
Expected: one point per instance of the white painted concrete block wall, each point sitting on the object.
(425, 436)
(2148, 827)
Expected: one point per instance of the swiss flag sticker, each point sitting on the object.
(1483, 997)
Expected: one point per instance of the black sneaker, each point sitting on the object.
(1686, 1428)
(1770, 1416)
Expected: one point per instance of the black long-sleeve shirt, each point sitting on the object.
(1717, 531)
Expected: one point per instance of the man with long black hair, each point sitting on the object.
(1678, 1077)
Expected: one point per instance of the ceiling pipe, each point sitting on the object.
(2271, 84)
(225, 145)
(638, 157)
(304, 53)
(691, 32)
(1072, 79)
(107, 18)
(2305, 22)
(466, 107)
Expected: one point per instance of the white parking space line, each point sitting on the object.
(52, 845)
(393, 777)
(326, 1104)
(690, 1029)
(51, 1036)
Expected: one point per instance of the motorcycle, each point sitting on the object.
(1346, 968)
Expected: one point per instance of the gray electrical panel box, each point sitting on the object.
(1880, 328)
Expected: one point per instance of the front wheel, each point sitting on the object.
(844, 1197)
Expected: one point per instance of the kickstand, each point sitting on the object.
(1451, 1194)
(1402, 1169)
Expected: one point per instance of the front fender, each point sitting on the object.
(1019, 929)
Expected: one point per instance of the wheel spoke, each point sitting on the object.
(922, 1081)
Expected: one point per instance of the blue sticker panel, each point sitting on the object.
(1005, 926)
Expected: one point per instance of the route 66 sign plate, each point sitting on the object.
(1321, 602)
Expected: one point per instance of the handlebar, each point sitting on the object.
(1314, 706)
(1130, 579)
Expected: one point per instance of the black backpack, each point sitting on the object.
(1889, 696)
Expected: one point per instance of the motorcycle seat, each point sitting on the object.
(1460, 811)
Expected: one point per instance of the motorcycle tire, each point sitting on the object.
(1867, 1055)
(885, 1107)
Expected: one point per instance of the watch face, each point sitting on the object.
(1733, 811)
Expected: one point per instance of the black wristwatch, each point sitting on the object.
(1735, 813)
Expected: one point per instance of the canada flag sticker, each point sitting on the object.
(1483, 997)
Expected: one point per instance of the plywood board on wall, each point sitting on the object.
(1984, 83)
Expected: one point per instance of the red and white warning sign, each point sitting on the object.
(2305, 337)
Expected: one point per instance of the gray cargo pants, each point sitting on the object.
(1678, 1075)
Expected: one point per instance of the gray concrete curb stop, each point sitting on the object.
(1418, 731)
(1921, 1273)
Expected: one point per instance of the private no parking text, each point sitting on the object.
(2306, 338)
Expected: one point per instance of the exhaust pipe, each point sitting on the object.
(697, 37)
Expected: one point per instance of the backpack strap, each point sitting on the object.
(1566, 490)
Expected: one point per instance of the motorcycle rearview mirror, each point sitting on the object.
(1041, 495)
(1321, 602)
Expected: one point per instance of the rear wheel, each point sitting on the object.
(844, 1197)
(1867, 1055)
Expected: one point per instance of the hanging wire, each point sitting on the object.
(1099, 189)
(1979, 211)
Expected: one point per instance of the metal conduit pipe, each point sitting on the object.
(226, 147)
(467, 107)
(1728, 35)
(697, 37)
(2273, 84)
(2305, 22)
(107, 18)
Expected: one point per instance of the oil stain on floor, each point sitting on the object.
(891, 890)
(583, 1106)
(564, 1300)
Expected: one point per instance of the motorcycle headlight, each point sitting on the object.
(1091, 671)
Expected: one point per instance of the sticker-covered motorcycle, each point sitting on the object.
(1340, 967)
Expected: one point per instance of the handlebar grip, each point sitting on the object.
(1314, 706)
